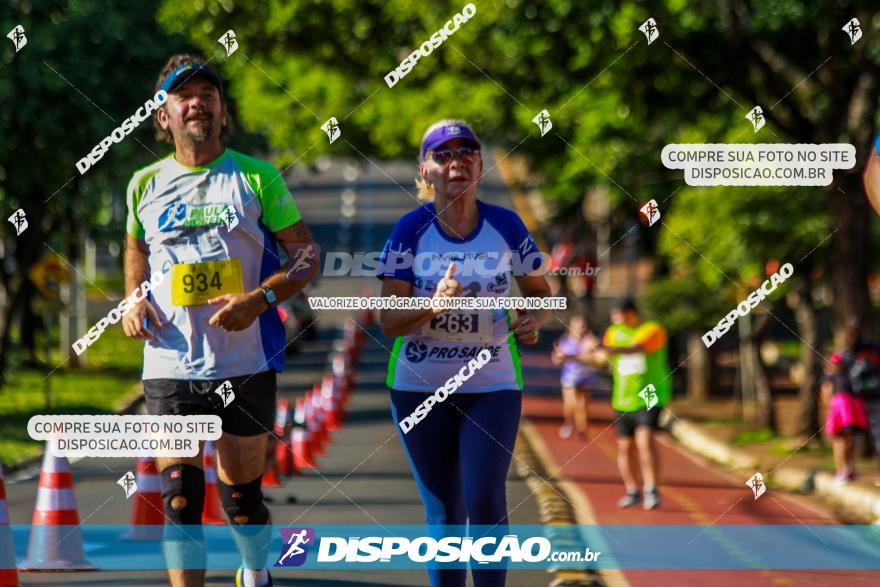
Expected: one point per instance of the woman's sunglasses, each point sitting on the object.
(444, 156)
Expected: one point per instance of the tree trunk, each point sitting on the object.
(28, 323)
(808, 329)
(850, 250)
(699, 372)
(763, 394)
(763, 412)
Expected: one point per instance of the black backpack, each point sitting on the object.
(865, 371)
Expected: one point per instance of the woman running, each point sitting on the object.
(572, 351)
(455, 246)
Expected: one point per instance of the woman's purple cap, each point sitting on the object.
(445, 133)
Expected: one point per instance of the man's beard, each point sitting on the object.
(199, 134)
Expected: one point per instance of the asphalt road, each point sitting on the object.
(364, 478)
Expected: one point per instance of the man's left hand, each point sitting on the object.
(239, 310)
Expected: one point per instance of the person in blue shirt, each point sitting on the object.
(456, 245)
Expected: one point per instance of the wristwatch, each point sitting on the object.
(269, 295)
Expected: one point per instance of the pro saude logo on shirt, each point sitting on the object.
(122, 131)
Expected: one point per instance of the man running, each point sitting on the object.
(639, 358)
(211, 219)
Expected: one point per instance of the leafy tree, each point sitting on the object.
(85, 68)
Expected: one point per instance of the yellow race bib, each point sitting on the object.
(196, 283)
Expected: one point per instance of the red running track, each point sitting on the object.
(692, 492)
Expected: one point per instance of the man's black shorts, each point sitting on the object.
(252, 412)
(627, 422)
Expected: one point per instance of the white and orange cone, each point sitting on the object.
(300, 438)
(8, 572)
(211, 513)
(331, 403)
(56, 542)
(283, 453)
(148, 510)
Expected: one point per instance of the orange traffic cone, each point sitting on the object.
(148, 511)
(56, 542)
(270, 478)
(212, 513)
(341, 386)
(330, 402)
(283, 453)
(301, 439)
(342, 368)
(367, 317)
(302, 448)
(270, 470)
(352, 339)
(8, 572)
(318, 426)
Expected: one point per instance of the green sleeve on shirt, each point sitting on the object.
(279, 209)
(137, 185)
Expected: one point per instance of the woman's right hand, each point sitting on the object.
(449, 287)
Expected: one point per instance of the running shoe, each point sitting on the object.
(239, 580)
(652, 499)
(630, 499)
(565, 431)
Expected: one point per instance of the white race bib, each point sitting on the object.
(460, 326)
(631, 364)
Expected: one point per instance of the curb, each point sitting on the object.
(560, 506)
(856, 504)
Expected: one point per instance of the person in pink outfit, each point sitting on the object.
(846, 415)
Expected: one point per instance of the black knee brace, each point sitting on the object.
(183, 492)
(243, 503)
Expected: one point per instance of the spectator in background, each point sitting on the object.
(863, 366)
(572, 351)
(846, 414)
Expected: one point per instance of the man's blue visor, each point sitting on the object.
(184, 73)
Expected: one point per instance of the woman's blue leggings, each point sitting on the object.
(459, 454)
